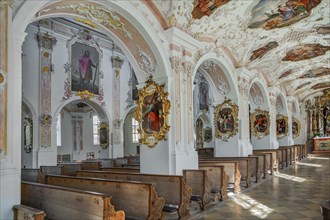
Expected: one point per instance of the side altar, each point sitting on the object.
(322, 144)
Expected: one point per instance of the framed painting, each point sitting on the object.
(295, 127)
(104, 135)
(152, 112)
(226, 120)
(281, 126)
(207, 134)
(259, 121)
(85, 62)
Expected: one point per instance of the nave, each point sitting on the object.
(294, 193)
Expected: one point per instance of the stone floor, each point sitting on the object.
(294, 193)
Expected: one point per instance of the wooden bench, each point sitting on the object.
(269, 161)
(68, 203)
(173, 188)
(89, 165)
(219, 180)
(28, 213)
(260, 164)
(69, 169)
(201, 186)
(244, 167)
(138, 200)
(104, 162)
(231, 169)
(121, 169)
(263, 163)
(32, 175)
(274, 157)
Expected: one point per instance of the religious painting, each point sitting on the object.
(204, 96)
(104, 135)
(259, 53)
(321, 85)
(226, 120)
(295, 127)
(319, 72)
(260, 123)
(281, 126)
(85, 62)
(206, 7)
(208, 135)
(90, 155)
(28, 134)
(281, 13)
(152, 112)
(305, 51)
(303, 85)
(285, 74)
(323, 30)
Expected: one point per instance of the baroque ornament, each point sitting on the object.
(85, 94)
(152, 112)
(45, 120)
(223, 87)
(296, 126)
(96, 14)
(226, 120)
(281, 126)
(3, 80)
(5, 3)
(146, 62)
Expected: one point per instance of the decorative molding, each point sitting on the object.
(95, 13)
(85, 95)
(46, 41)
(45, 120)
(223, 87)
(244, 87)
(117, 63)
(209, 66)
(6, 3)
(146, 62)
(258, 100)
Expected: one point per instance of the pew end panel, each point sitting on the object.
(26, 212)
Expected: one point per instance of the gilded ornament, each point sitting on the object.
(45, 69)
(296, 126)
(226, 120)
(2, 78)
(260, 123)
(85, 95)
(104, 135)
(152, 112)
(45, 120)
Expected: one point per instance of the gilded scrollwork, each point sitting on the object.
(260, 123)
(226, 120)
(153, 108)
(104, 135)
(296, 126)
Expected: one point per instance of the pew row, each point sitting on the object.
(219, 179)
(32, 175)
(138, 200)
(122, 169)
(67, 203)
(172, 188)
(29, 213)
(201, 186)
(274, 158)
(231, 169)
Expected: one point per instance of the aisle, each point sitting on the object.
(294, 193)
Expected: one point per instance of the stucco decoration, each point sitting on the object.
(146, 63)
(256, 94)
(260, 123)
(321, 85)
(303, 85)
(286, 74)
(226, 120)
(319, 72)
(279, 104)
(6, 3)
(188, 69)
(108, 18)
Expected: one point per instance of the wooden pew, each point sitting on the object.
(244, 167)
(122, 170)
(269, 161)
(219, 179)
(263, 163)
(32, 175)
(201, 186)
(138, 200)
(231, 169)
(89, 165)
(69, 169)
(67, 203)
(105, 162)
(28, 213)
(173, 188)
(274, 157)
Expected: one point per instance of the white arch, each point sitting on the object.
(27, 102)
(226, 66)
(285, 109)
(28, 10)
(263, 88)
(94, 104)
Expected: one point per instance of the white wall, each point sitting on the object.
(129, 147)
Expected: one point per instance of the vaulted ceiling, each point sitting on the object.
(287, 41)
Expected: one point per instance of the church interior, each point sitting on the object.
(152, 109)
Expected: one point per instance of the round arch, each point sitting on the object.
(29, 12)
(227, 68)
(283, 99)
(263, 89)
(30, 106)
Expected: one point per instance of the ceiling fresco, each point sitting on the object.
(263, 50)
(276, 14)
(321, 85)
(206, 7)
(320, 72)
(306, 51)
(303, 85)
(285, 74)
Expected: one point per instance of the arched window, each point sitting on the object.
(59, 131)
(96, 136)
(135, 133)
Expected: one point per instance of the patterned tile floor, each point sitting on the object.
(294, 193)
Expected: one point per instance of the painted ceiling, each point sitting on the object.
(286, 41)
